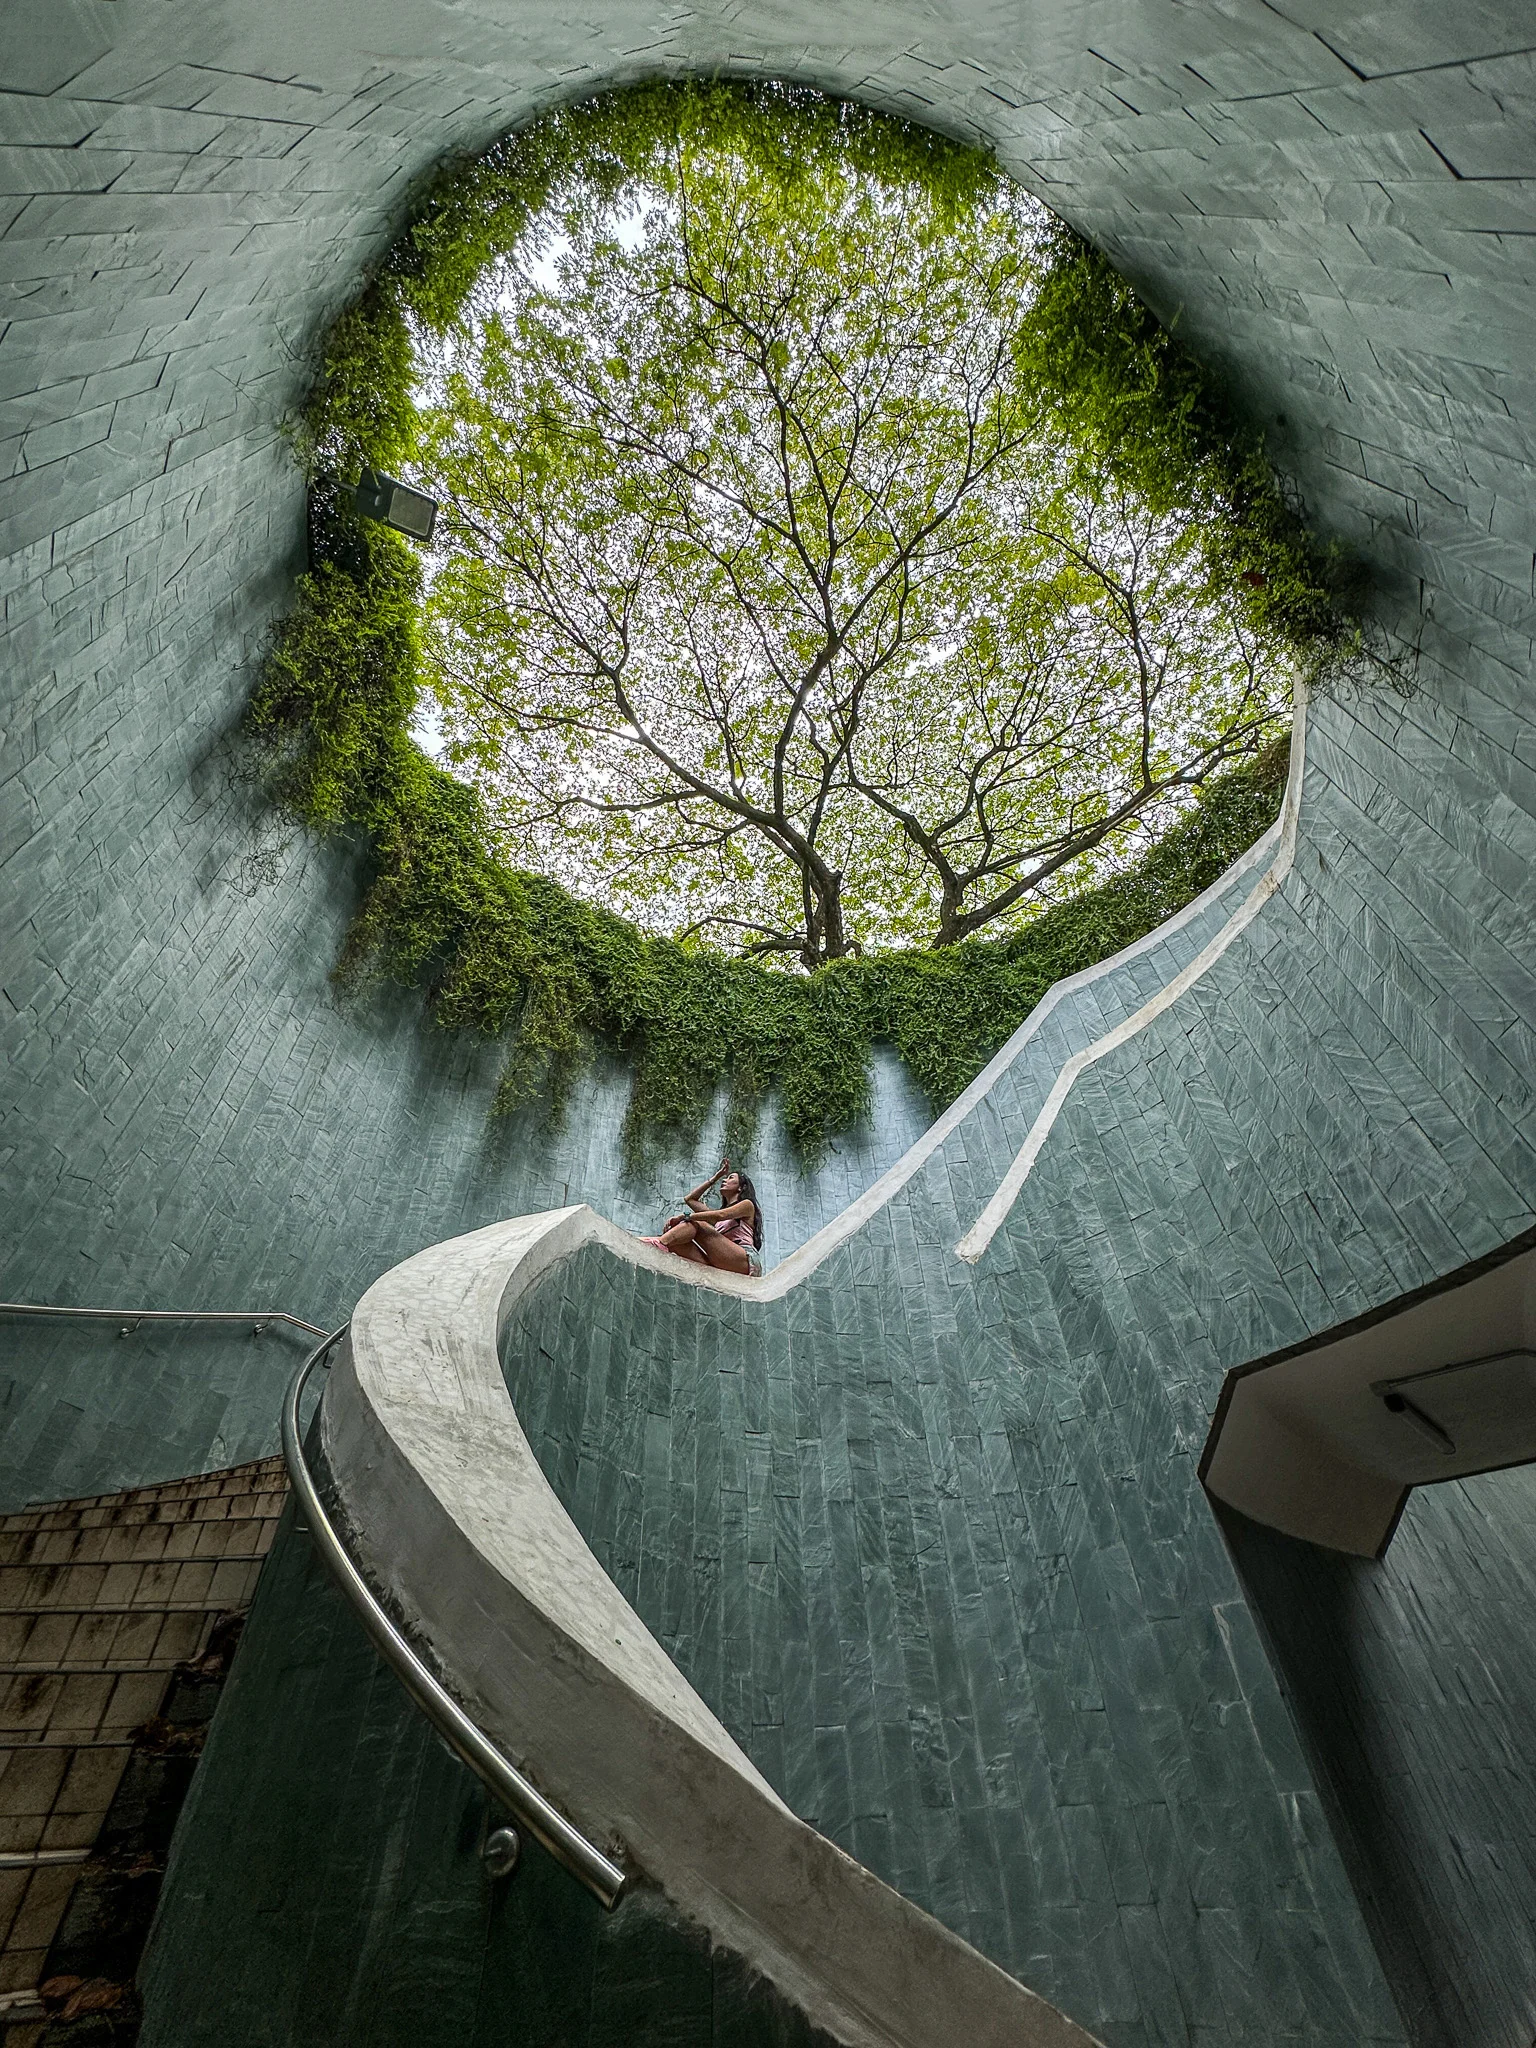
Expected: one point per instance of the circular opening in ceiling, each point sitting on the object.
(837, 567)
(777, 600)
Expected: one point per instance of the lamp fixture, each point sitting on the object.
(1447, 1404)
(1399, 1404)
(395, 504)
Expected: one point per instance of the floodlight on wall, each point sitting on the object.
(1479, 1408)
(395, 504)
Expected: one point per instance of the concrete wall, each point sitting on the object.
(1341, 1111)
(932, 1546)
(928, 1536)
(1412, 1683)
(188, 1116)
(363, 1912)
(947, 1589)
(336, 1144)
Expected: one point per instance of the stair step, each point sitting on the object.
(102, 1601)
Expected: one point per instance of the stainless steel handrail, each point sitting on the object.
(260, 1317)
(601, 1876)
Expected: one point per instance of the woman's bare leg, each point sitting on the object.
(722, 1252)
(682, 1239)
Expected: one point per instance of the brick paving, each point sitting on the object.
(101, 1599)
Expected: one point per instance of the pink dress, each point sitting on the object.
(738, 1229)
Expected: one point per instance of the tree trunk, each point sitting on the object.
(825, 938)
(949, 916)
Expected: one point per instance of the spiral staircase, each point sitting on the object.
(944, 1695)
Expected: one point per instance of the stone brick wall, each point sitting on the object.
(947, 1584)
(363, 1912)
(928, 1537)
(1340, 214)
(183, 204)
(930, 1540)
(314, 1119)
(1394, 1689)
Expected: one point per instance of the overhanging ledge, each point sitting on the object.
(1325, 1440)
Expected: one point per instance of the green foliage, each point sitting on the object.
(339, 686)
(503, 952)
(765, 602)
(1143, 409)
(472, 210)
(1138, 402)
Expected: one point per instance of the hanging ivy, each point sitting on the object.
(512, 955)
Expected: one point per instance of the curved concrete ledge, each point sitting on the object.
(1278, 847)
(1273, 852)
(1340, 1111)
(455, 1521)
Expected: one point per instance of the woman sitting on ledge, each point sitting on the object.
(730, 1237)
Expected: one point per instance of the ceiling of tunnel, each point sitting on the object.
(1307, 1443)
(1336, 203)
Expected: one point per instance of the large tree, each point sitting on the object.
(770, 605)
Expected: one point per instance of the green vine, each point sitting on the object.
(511, 954)
(503, 952)
(1139, 404)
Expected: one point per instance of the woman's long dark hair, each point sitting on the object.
(746, 1192)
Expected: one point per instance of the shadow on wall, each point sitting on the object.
(359, 1908)
(85, 1410)
(1412, 1681)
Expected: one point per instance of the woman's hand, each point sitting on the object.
(696, 1199)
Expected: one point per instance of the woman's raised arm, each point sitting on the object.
(696, 1199)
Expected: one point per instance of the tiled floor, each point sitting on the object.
(100, 1601)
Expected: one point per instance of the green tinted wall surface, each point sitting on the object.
(1341, 1110)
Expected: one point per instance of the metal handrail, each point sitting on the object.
(601, 1876)
(260, 1317)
